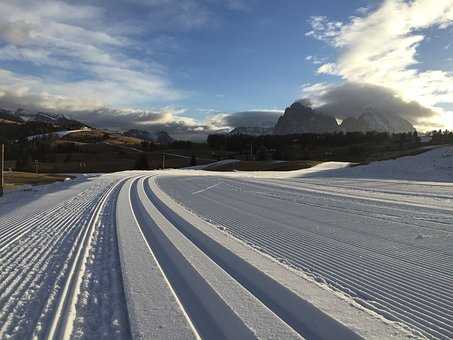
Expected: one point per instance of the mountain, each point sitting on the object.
(20, 124)
(160, 137)
(10, 117)
(377, 121)
(141, 134)
(301, 118)
(251, 131)
(50, 118)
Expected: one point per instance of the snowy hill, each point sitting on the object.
(435, 165)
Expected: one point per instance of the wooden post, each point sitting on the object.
(163, 160)
(2, 166)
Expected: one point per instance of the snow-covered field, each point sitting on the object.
(331, 252)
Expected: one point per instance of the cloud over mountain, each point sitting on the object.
(380, 46)
(254, 118)
(353, 99)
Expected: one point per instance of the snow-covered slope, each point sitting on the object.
(433, 165)
(58, 134)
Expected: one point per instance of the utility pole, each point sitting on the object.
(163, 160)
(2, 166)
(251, 152)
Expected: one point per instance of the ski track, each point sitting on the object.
(36, 253)
(369, 249)
(206, 281)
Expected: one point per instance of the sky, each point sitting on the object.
(192, 67)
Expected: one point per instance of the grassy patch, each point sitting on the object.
(15, 178)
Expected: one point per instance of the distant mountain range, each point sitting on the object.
(21, 124)
(160, 137)
(21, 116)
(300, 118)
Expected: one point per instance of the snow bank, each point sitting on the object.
(326, 166)
(435, 165)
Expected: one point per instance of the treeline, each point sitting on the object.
(442, 137)
(353, 146)
(11, 132)
(237, 142)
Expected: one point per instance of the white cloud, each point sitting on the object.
(315, 60)
(86, 64)
(323, 29)
(380, 48)
(328, 68)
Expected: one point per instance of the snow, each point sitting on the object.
(334, 251)
(435, 165)
(58, 134)
(383, 241)
(326, 166)
(154, 310)
(203, 279)
(311, 305)
(40, 233)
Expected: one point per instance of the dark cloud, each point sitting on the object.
(153, 121)
(15, 33)
(11, 101)
(178, 127)
(263, 119)
(352, 99)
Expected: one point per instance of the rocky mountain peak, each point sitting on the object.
(300, 117)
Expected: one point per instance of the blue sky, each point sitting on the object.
(191, 64)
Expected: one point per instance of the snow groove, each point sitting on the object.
(61, 324)
(35, 256)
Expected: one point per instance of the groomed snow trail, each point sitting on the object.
(386, 244)
(184, 278)
(60, 265)
(186, 285)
